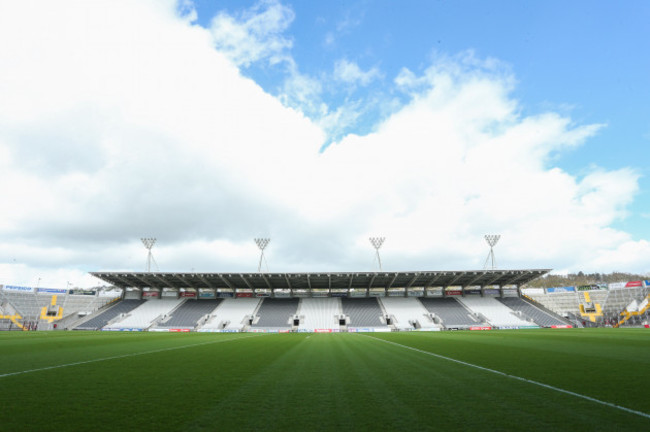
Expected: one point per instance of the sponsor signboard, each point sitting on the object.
(532, 291)
(263, 294)
(150, 294)
(207, 295)
(322, 330)
(562, 326)
(19, 288)
(646, 283)
(480, 328)
(244, 294)
(492, 292)
(395, 293)
(181, 330)
(225, 295)
(339, 294)
(83, 292)
(510, 292)
(616, 285)
(453, 292)
(381, 293)
(171, 294)
(416, 293)
(436, 292)
(560, 289)
(633, 284)
(190, 294)
(110, 293)
(52, 290)
(473, 291)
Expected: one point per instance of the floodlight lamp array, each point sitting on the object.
(377, 242)
(148, 242)
(262, 243)
(492, 239)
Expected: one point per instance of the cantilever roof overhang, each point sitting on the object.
(319, 280)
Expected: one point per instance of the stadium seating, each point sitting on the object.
(103, 318)
(450, 312)
(407, 313)
(30, 306)
(276, 313)
(539, 316)
(231, 313)
(188, 314)
(144, 315)
(363, 312)
(496, 313)
(320, 313)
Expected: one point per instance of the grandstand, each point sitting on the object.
(450, 313)
(233, 314)
(276, 314)
(306, 302)
(405, 313)
(492, 312)
(189, 314)
(320, 313)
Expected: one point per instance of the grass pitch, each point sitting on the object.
(383, 381)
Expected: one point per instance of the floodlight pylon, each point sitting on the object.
(148, 243)
(262, 243)
(492, 240)
(376, 242)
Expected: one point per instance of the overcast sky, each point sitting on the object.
(319, 124)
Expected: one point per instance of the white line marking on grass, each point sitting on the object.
(609, 404)
(120, 356)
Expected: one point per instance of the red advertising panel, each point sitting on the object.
(179, 330)
(188, 294)
(634, 284)
(244, 294)
(453, 292)
(480, 328)
(322, 330)
(562, 326)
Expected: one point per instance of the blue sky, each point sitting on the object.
(318, 124)
(587, 59)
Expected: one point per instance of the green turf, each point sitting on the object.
(203, 381)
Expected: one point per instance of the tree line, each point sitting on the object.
(580, 278)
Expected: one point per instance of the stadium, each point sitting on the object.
(323, 351)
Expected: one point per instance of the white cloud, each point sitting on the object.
(255, 34)
(125, 122)
(350, 73)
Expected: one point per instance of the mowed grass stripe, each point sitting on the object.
(131, 354)
(505, 375)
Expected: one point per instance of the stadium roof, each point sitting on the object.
(320, 280)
